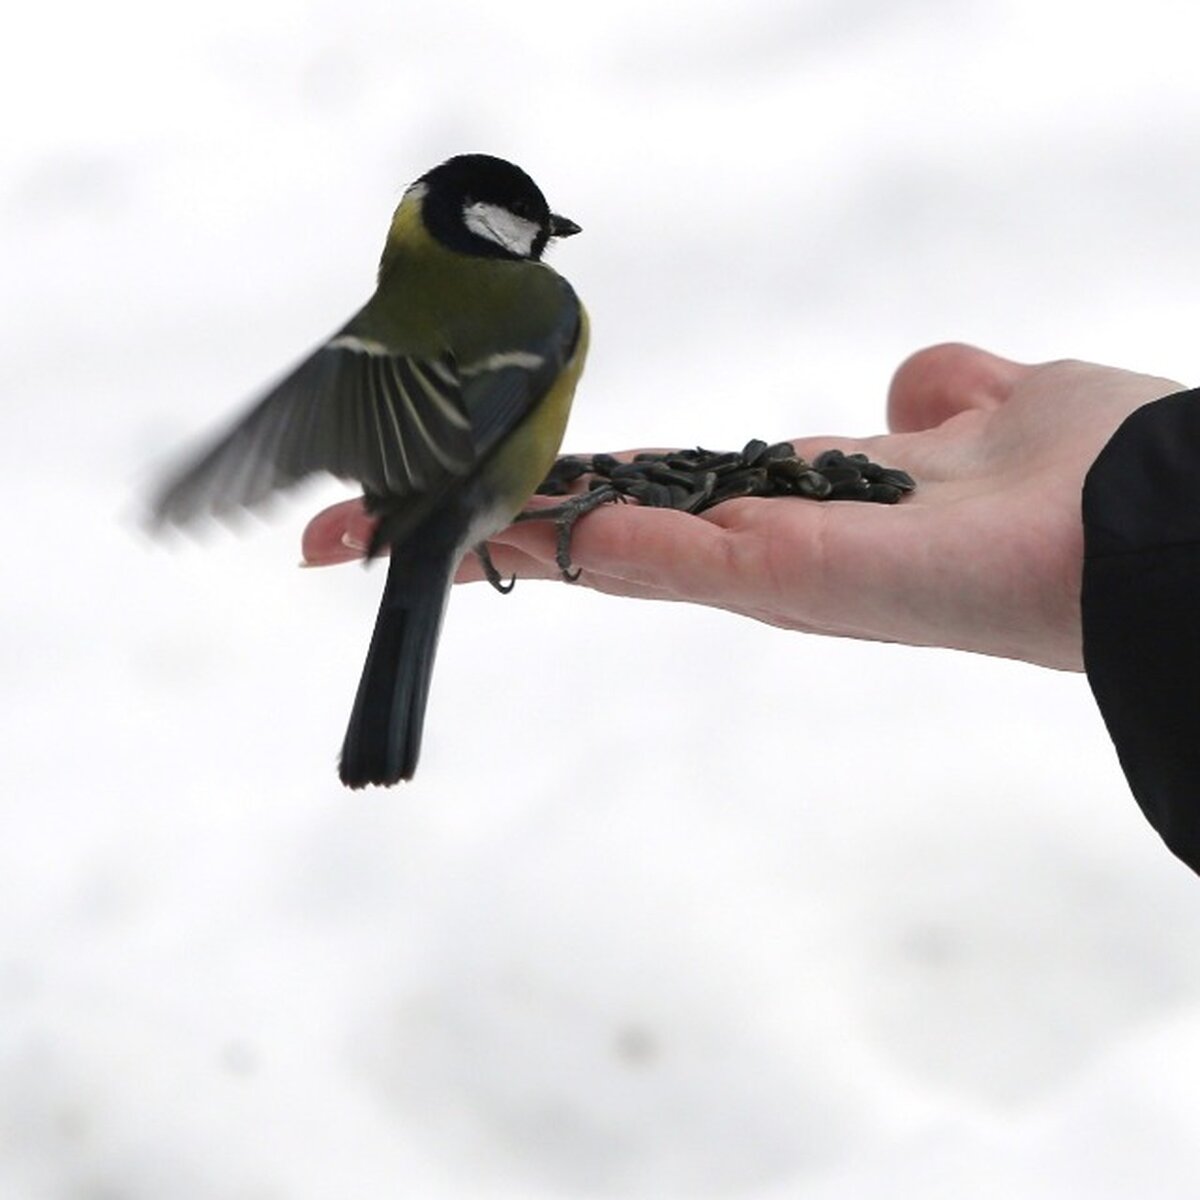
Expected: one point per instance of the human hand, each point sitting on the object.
(986, 555)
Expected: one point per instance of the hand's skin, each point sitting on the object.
(985, 556)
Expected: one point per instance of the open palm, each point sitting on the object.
(986, 555)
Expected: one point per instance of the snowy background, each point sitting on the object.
(696, 908)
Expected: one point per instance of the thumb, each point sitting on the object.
(939, 382)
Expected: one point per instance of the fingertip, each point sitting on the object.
(339, 534)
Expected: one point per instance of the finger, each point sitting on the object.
(940, 382)
(670, 552)
(509, 561)
(338, 534)
(611, 586)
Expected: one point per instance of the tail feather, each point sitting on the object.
(383, 739)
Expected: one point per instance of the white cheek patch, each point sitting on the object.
(498, 225)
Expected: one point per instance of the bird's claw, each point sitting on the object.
(491, 574)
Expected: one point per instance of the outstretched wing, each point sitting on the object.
(401, 424)
(396, 423)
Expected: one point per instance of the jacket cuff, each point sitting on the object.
(1140, 608)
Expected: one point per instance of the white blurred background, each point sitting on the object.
(678, 906)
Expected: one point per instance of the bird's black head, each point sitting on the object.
(478, 204)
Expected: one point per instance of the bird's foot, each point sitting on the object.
(565, 515)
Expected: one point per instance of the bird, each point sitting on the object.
(446, 397)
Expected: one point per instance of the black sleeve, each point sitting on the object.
(1141, 609)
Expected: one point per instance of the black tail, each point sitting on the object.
(383, 739)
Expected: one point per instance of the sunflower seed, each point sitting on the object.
(851, 489)
(813, 484)
(898, 479)
(753, 451)
(842, 473)
(661, 473)
(628, 470)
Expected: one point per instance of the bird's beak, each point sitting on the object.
(562, 226)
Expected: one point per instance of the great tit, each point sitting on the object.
(446, 396)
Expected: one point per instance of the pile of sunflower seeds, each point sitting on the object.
(695, 480)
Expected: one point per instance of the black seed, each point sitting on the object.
(661, 473)
(780, 452)
(562, 474)
(841, 474)
(884, 493)
(828, 458)
(788, 469)
(702, 499)
(603, 463)
(898, 479)
(631, 470)
(653, 495)
(814, 484)
(851, 489)
(745, 482)
(721, 463)
(753, 451)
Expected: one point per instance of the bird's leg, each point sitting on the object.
(564, 516)
(490, 573)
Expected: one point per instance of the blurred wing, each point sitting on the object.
(396, 423)
(400, 424)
